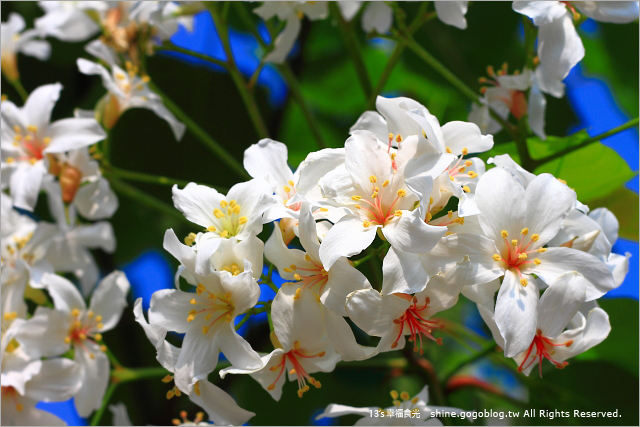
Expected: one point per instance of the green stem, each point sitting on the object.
(142, 197)
(112, 358)
(152, 179)
(354, 48)
(95, 420)
(203, 136)
(487, 349)
(168, 46)
(244, 319)
(127, 375)
(245, 93)
(296, 91)
(530, 35)
(631, 123)
(17, 85)
(453, 79)
(401, 45)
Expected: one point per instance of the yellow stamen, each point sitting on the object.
(466, 189)
(385, 183)
(496, 257)
(373, 179)
(514, 242)
(356, 198)
(504, 234)
(535, 237)
(394, 394)
(524, 231)
(218, 213)
(205, 329)
(537, 261)
(465, 151)
(366, 224)
(211, 228)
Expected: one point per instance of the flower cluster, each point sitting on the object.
(403, 188)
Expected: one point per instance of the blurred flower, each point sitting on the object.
(14, 40)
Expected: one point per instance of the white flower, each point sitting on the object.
(558, 307)
(371, 185)
(28, 137)
(415, 411)
(517, 223)
(53, 380)
(394, 315)
(267, 160)
(452, 12)
(559, 45)
(507, 95)
(220, 407)
(292, 12)
(70, 248)
(238, 214)
(70, 21)
(328, 289)
(595, 233)
(206, 317)
(51, 332)
(127, 90)
(300, 346)
(14, 40)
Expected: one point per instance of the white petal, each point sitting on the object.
(73, 133)
(335, 410)
(411, 234)
(619, 12)
(349, 9)
(95, 378)
(560, 302)
(197, 359)
(377, 16)
(267, 160)
(169, 308)
(197, 203)
(300, 320)
(459, 135)
(65, 295)
(37, 48)
(375, 313)
(43, 335)
(452, 13)
(501, 200)
(342, 280)
(25, 185)
(284, 41)
(93, 68)
(402, 272)
(316, 165)
(219, 406)
(607, 221)
(37, 109)
(96, 200)
(517, 313)
(58, 380)
(557, 261)
(237, 350)
(110, 298)
(167, 353)
(371, 121)
(183, 253)
(548, 203)
(342, 339)
(71, 25)
(346, 238)
(542, 12)
(537, 107)
(120, 415)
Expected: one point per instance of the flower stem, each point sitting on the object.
(296, 91)
(168, 46)
(354, 48)
(203, 136)
(487, 349)
(246, 95)
(17, 85)
(142, 197)
(631, 123)
(95, 420)
(153, 179)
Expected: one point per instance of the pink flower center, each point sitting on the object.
(417, 325)
(290, 361)
(543, 350)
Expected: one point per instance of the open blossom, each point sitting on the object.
(558, 308)
(206, 317)
(559, 45)
(301, 348)
(517, 223)
(14, 40)
(371, 185)
(70, 247)
(267, 160)
(70, 21)
(51, 332)
(28, 136)
(127, 90)
(292, 12)
(324, 291)
(419, 413)
(506, 95)
(394, 315)
(220, 407)
(239, 214)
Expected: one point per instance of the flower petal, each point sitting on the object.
(560, 302)
(375, 313)
(110, 298)
(346, 238)
(219, 406)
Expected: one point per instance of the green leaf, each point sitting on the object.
(618, 348)
(622, 203)
(594, 171)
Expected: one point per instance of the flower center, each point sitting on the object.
(309, 277)
(230, 222)
(14, 252)
(458, 168)
(417, 325)
(11, 394)
(288, 191)
(377, 211)
(544, 350)
(221, 306)
(31, 146)
(84, 329)
(515, 254)
(290, 360)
